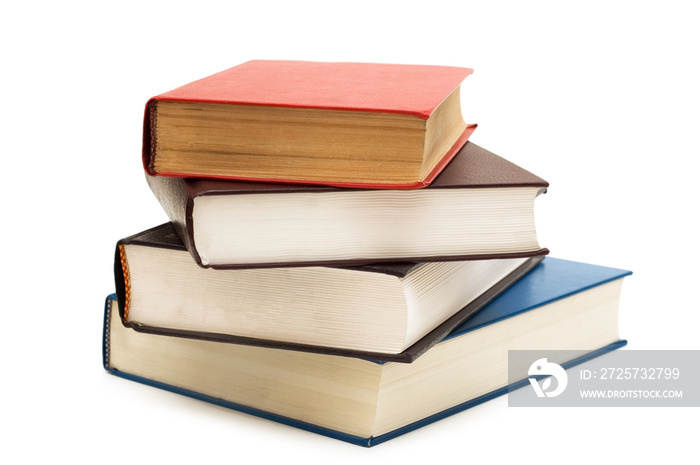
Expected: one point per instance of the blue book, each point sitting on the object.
(560, 305)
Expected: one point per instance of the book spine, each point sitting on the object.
(106, 330)
(149, 136)
(120, 281)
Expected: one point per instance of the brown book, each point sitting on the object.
(480, 207)
(390, 311)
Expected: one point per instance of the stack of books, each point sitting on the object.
(340, 257)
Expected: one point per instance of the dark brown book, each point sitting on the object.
(391, 311)
(480, 207)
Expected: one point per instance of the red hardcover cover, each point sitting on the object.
(415, 90)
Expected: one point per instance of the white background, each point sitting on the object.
(600, 99)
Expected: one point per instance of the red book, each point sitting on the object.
(342, 124)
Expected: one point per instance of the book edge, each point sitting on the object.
(148, 160)
(369, 261)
